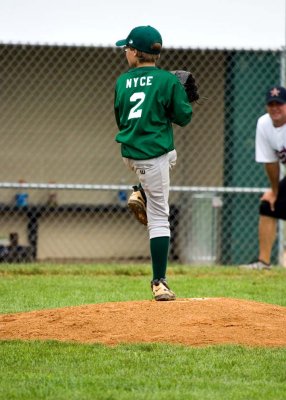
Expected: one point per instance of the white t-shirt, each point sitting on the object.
(270, 143)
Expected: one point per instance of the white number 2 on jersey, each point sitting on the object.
(135, 111)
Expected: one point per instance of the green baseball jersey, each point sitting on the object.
(147, 101)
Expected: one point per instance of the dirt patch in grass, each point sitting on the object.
(191, 322)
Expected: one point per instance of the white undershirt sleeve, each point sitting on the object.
(264, 153)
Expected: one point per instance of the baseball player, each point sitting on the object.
(270, 149)
(148, 100)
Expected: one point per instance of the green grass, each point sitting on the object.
(51, 370)
(30, 287)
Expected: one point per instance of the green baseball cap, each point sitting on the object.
(142, 38)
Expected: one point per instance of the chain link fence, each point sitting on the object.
(64, 187)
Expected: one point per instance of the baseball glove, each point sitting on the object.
(188, 81)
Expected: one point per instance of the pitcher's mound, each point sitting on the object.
(193, 322)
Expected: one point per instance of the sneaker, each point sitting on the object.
(161, 290)
(258, 265)
(137, 204)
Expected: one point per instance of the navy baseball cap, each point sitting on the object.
(277, 94)
(142, 38)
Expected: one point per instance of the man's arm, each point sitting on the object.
(273, 173)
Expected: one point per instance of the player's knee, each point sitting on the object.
(157, 228)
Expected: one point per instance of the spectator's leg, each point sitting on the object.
(267, 234)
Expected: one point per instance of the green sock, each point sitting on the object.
(159, 247)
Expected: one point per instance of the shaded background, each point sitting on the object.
(57, 127)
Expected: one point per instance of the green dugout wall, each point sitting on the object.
(248, 75)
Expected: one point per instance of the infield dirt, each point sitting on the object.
(191, 322)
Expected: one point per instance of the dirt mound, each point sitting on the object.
(193, 322)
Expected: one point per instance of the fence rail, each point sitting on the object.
(72, 186)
